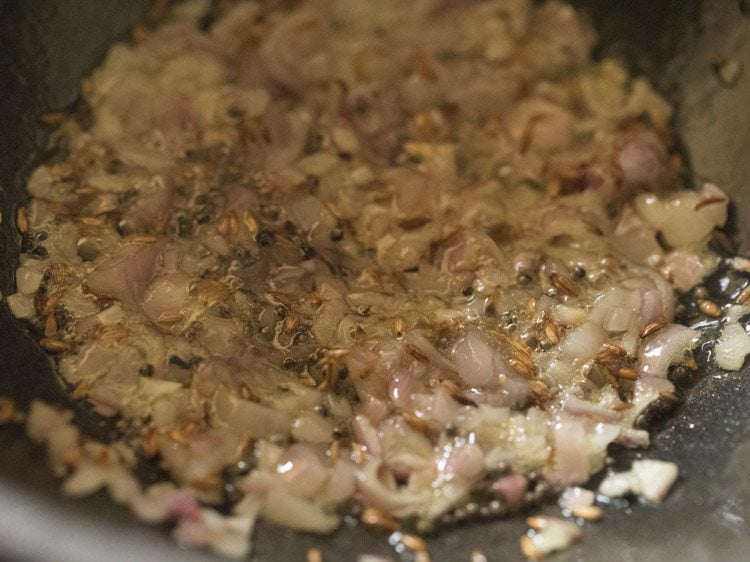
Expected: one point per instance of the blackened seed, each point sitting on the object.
(40, 251)
(523, 279)
(242, 254)
(40, 236)
(308, 252)
(290, 228)
(467, 291)
(363, 310)
(337, 234)
(361, 105)
(204, 215)
(579, 272)
(281, 311)
(114, 166)
(314, 142)
(312, 182)
(178, 362)
(265, 237)
(415, 158)
(235, 111)
(184, 225)
(290, 364)
(127, 194)
(343, 372)
(146, 370)
(28, 244)
(346, 156)
(412, 269)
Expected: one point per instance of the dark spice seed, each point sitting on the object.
(235, 112)
(337, 234)
(184, 226)
(308, 252)
(290, 364)
(178, 362)
(265, 237)
(203, 216)
(363, 310)
(314, 142)
(115, 166)
(467, 291)
(28, 244)
(361, 105)
(146, 370)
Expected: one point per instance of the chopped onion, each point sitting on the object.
(684, 219)
(391, 255)
(643, 162)
(477, 363)
(575, 497)
(732, 348)
(665, 348)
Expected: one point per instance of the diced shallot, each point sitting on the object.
(665, 348)
(733, 346)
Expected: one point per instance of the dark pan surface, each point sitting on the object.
(46, 45)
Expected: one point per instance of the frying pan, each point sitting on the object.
(47, 45)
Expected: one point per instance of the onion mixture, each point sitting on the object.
(399, 261)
